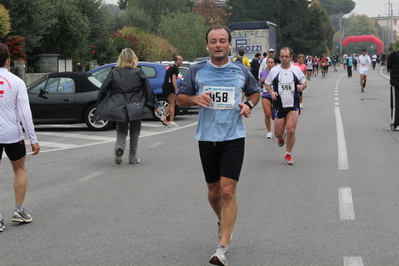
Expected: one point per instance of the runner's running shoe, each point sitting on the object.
(362, 90)
(21, 217)
(281, 141)
(269, 135)
(220, 257)
(288, 159)
(2, 226)
(164, 120)
(172, 124)
(118, 157)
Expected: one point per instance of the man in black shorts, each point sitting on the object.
(216, 86)
(284, 83)
(169, 89)
(14, 103)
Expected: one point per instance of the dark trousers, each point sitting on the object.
(394, 107)
(349, 69)
(374, 62)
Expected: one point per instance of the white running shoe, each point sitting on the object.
(172, 124)
(220, 257)
(21, 217)
(269, 135)
(301, 105)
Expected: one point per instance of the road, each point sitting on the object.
(338, 205)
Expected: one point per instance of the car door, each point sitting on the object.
(53, 100)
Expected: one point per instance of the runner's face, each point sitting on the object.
(218, 45)
(300, 60)
(285, 58)
(270, 63)
(179, 61)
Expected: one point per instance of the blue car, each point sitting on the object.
(155, 73)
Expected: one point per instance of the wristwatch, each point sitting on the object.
(250, 104)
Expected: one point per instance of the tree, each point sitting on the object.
(30, 19)
(123, 4)
(359, 25)
(303, 27)
(134, 18)
(157, 8)
(186, 32)
(334, 7)
(5, 24)
(210, 12)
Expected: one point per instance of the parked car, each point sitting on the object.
(66, 98)
(155, 73)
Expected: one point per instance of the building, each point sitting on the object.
(385, 23)
(217, 2)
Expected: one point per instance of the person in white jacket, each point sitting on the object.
(14, 110)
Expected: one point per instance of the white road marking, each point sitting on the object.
(353, 261)
(343, 163)
(114, 139)
(346, 211)
(91, 176)
(57, 145)
(74, 135)
(156, 144)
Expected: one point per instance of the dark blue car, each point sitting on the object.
(155, 73)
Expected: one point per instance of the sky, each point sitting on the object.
(370, 8)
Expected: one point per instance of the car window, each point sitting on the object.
(60, 85)
(95, 81)
(102, 74)
(39, 87)
(150, 72)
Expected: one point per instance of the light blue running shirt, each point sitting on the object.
(227, 82)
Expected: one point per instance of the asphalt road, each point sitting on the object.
(338, 205)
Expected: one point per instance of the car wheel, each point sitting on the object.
(163, 103)
(100, 125)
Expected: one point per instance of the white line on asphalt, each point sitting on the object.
(74, 135)
(156, 144)
(353, 261)
(383, 73)
(57, 145)
(343, 163)
(346, 211)
(91, 176)
(108, 141)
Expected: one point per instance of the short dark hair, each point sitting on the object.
(241, 52)
(216, 27)
(264, 54)
(257, 54)
(4, 54)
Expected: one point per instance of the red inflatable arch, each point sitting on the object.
(364, 38)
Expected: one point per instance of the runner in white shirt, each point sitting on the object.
(284, 83)
(363, 63)
(14, 110)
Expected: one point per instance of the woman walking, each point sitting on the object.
(126, 97)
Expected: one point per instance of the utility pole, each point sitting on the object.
(390, 14)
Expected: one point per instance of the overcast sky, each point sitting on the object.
(370, 8)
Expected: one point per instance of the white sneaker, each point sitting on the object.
(172, 124)
(269, 135)
(220, 257)
(301, 105)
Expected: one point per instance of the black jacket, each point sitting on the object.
(125, 93)
(393, 68)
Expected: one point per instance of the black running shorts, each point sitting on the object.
(282, 112)
(167, 89)
(222, 159)
(14, 151)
